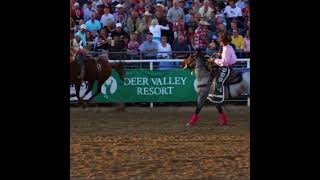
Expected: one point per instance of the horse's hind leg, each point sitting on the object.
(97, 92)
(223, 116)
(77, 87)
(90, 86)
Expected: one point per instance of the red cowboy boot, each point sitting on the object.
(193, 120)
(223, 119)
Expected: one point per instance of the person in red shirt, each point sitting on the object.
(200, 35)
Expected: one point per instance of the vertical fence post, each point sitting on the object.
(151, 69)
(248, 66)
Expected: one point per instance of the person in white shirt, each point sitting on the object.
(155, 29)
(232, 11)
(164, 49)
(165, 52)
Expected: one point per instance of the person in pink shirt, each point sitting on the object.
(228, 58)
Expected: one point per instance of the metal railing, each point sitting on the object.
(240, 64)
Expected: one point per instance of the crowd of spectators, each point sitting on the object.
(160, 29)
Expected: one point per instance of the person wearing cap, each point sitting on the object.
(119, 10)
(82, 33)
(228, 58)
(106, 17)
(78, 54)
(144, 26)
(174, 12)
(200, 35)
(119, 31)
(93, 24)
(149, 47)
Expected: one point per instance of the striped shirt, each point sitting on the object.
(198, 33)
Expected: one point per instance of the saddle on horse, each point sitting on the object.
(224, 78)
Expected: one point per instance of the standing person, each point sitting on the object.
(200, 36)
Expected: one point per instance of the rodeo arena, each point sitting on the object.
(160, 89)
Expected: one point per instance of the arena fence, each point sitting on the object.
(152, 68)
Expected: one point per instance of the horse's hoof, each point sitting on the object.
(84, 105)
(190, 124)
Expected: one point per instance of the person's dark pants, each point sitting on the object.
(222, 73)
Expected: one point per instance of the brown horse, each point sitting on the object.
(99, 70)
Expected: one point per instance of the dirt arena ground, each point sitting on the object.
(154, 143)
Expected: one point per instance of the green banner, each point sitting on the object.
(150, 86)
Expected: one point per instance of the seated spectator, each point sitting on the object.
(102, 44)
(206, 10)
(88, 10)
(165, 52)
(181, 4)
(110, 28)
(141, 9)
(192, 44)
(232, 12)
(213, 47)
(181, 45)
(123, 22)
(240, 4)
(174, 12)
(161, 8)
(196, 6)
(106, 17)
(133, 47)
(234, 26)
(93, 24)
(133, 22)
(76, 7)
(246, 10)
(149, 47)
(198, 17)
(77, 16)
(82, 33)
(119, 32)
(187, 16)
(190, 33)
(247, 45)
(177, 30)
(72, 25)
(179, 22)
(212, 22)
(164, 49)
(100, 11)
(223, 4)
(219, 20)
(238, 41)
(120, 10)
(192, 22)
(116, 50)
